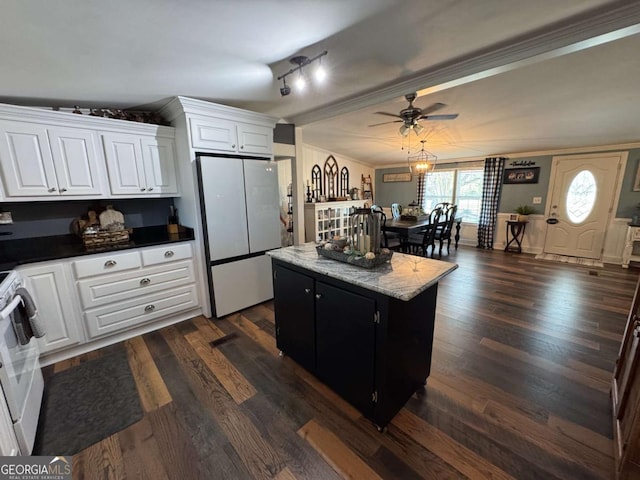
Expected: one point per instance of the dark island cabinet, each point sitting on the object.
(372, 350)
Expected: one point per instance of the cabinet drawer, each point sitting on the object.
(116, 317)
(166, 253)
(106, 264)
(105, 289)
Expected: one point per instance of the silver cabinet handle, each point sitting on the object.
(62, 190)
(149, 308)
(149, 189)
(142, 189)
(307, 290)
(110, 263)
(169, 253)
(52, 189)
(233, 146)
(241, 147)
(145, 281)
(318, 295)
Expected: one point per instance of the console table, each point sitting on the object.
(633, 236)
(515, 234)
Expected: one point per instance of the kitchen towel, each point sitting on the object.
(31, 312)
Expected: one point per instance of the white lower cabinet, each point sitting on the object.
(52, 293)
(119, 291)
(86, 299)
(8, 442)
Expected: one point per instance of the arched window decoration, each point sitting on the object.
(581, 197)
(316, 179)
(330, 176)
(344, 182)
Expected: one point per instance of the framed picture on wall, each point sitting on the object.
(636, 183)
(521, 175)
(396, 177)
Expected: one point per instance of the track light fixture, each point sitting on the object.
(300, 83)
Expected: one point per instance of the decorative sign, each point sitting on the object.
(522, 163)
(522, 175)
(396, 177)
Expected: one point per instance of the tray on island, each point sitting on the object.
(354, 259)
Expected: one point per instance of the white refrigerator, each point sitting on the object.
(239, 202)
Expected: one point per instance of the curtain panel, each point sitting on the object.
(491, 188)
(420, 192)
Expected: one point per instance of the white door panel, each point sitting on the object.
(75, 159)
(263, 210)
(225, 212)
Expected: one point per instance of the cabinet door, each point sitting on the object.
(345, 344)
(124, 162)
(213, 134)
(8, 442)
(75, 160)
(295, 325)
(51, 292)
(255, 139)
(159, 165)
(25, 158)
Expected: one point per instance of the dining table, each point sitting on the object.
(406, 227)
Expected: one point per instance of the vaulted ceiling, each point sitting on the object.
(523, 76)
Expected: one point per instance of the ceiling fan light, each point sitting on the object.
(418, 128)
(404, 130)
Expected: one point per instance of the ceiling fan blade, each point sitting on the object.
(432, 108)
(388, 114)
(385, 123)
(450, 116)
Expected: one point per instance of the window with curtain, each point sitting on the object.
(460, 186)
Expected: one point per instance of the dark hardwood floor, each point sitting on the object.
(519, 388)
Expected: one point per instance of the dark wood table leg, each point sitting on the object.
(457, 236)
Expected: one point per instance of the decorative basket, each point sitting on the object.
(104, 237)
(353, 259)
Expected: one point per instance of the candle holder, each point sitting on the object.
(308, 194)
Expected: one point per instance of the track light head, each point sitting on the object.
(285, 89)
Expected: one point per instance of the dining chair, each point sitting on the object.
(420, 243)
(390, 240)
(443, 229)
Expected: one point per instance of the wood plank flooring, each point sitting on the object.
(519, 389)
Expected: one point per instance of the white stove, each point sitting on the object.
(20, 374)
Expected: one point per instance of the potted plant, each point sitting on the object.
(524, 211)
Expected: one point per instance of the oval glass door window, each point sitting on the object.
(581, 196)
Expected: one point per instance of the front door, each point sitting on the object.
(582, 195)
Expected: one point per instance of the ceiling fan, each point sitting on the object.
(410, 115)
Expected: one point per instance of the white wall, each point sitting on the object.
(313, 155)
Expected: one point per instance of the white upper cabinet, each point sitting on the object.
(140, 166)
(232, 137)
(40, 161)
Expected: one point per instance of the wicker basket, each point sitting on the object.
(104, 237)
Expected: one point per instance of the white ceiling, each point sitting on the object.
(523, 76)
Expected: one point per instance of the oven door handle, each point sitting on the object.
(6, 311)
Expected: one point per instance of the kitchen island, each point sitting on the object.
(366, 333)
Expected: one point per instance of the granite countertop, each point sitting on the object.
(404, 277)
(40, 249)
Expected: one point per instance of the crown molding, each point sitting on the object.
(183, 105)
(595, 27)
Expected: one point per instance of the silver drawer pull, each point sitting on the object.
(142, 189)
(145, 281)
(149, 189)
(51, 190)
(318, 295)
(149, 308)
(168, 253)
(110, 263)
(62, 190)
(307, 290)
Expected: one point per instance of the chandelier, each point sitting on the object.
(423, 162)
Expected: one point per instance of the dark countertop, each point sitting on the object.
(30, 250)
